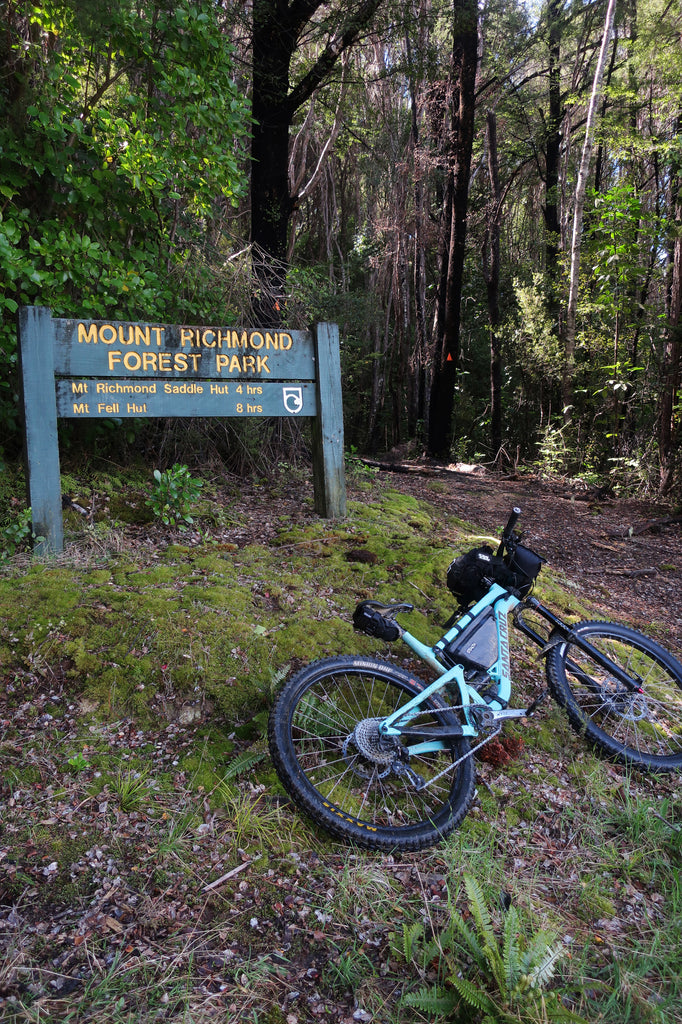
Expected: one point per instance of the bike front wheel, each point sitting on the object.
(640, 726)
(360, 786)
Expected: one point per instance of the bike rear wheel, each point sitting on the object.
(361, 787)
(641, 726)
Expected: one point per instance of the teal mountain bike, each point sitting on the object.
(383, 759)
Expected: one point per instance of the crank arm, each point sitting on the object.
(500, 716)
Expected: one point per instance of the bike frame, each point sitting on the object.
(496, 706)
(491, 708)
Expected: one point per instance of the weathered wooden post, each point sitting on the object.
(112, 370)
(329, 472)
(41, 448)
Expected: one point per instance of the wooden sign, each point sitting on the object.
(88, 369)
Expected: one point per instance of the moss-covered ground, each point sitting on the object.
(150, 866)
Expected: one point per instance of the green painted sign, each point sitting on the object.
(89, 369)
(92, 399)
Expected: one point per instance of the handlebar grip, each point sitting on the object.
(511, 522)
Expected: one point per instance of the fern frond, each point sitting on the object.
(411, 935)
(542, 972)
(536, 950)
(469, 940)
(243, 763)
(431, 1000)
(510, 949)
(473, 995)
(479, 910)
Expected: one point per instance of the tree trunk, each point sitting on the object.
(491, 274)
(418, 355)
(581, 185)
(553, 144)
(277, 28)
(667, 431)
(447, 342)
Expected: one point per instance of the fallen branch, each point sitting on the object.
(225, 877)
(650, 524)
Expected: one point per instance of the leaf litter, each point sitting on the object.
(130, 892)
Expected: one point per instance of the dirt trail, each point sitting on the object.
(623, 554)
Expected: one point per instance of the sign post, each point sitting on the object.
(89, 369)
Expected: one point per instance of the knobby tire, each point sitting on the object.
(349, 780)
(641, 727)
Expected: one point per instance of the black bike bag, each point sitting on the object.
(368, 619)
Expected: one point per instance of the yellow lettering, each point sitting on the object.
(158, 331)
(205, 341)
(186, 336)
(238, 342)
(143, 335)
(283, 340)
(132, 361)
(149, 361)
(131, 335)
(165, 362)
(81, 410)
(87, 335)
(249, 363)
(195, 357)
(271, 341)
(181, 362)
(114, 358)
(221, 362)
(107, 334)
(262, 364)
(235, 365)
(79, 387)
(252, 339)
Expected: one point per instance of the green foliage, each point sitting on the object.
(123, 137)
(16, 535)
(510, 975)
(174, 495)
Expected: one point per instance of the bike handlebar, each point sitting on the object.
(509, 529)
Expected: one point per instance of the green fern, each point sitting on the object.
(245, 761)
(509, 976)
(433, 1000)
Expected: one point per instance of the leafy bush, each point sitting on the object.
(16, 535)
(175, 492)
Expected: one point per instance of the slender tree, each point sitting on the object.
(446, 349)
(579, 203)
(277, 36)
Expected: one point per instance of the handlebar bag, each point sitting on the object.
(469, 574)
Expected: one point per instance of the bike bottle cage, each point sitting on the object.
(377, 620)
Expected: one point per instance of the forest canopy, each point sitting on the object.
(486, 197)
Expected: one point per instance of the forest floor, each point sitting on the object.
(622, 553)
(150, 898)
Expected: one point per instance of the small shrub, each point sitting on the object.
(16, 535)
(174, 494)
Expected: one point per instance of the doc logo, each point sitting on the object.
(293, 399)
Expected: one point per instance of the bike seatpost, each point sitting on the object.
(509, 528)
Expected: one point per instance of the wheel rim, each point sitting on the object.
(335, 739)
(647, 721)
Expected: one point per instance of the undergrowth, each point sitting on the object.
(150, 866)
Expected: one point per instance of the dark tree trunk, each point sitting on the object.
(447, 342)
(553, 140)
(276, 31)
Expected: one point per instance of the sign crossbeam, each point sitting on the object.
(92, 369)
